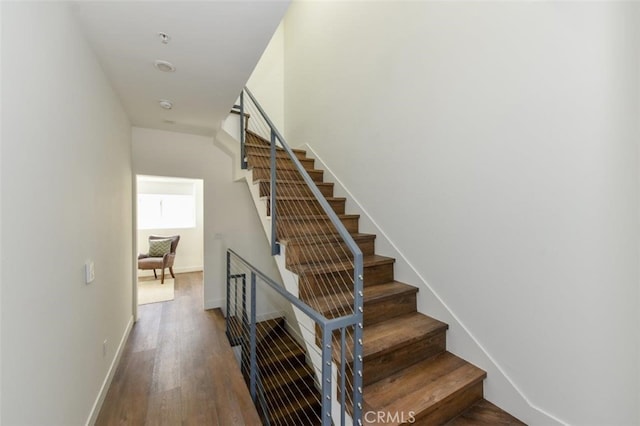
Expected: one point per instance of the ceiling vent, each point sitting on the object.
(165, 104)
(164, 66)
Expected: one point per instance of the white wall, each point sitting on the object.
(267, 80)
(230, 219)
(190, 251)
(504, 137)
(66, 198)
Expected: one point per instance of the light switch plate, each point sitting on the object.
(89, 272)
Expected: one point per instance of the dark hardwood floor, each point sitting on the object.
(178, 368)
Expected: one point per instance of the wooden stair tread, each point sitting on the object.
(267, 168)
(485, 413)
(291, 182)
(307, 218)
(288, 408)
(257, 145)
(312, 239)
(339, 265)
(266, 141)
(265, 328)
(301, 198)
(279, 350)
(338, 302)
(422, 386)
(271, 380)
(384, 337)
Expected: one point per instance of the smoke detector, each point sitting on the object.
(164, 37)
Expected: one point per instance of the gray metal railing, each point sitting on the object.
(243, 329)
(267, 131)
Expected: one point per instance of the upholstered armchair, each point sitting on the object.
(162, 252)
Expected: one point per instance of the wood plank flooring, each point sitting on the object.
(178, 368)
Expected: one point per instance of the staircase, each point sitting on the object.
(409, 376)
(289, 395)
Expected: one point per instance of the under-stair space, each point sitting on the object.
(287, 389)
(409, 376)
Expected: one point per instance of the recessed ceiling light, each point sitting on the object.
(164, 66)
(165, 104)
(164, 37)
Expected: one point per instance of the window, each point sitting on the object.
(165, 203)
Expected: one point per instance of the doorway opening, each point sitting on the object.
(170, 234)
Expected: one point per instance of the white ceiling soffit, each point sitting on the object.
(214, 46)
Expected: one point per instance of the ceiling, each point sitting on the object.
(214, 46)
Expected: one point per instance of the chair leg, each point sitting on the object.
(154, 274)
(162, 279)
(171, 270)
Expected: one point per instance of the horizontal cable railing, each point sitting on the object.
(276, 356)
(314, 229)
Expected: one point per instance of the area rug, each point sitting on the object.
(151, 291)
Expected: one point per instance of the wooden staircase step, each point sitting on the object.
(267, 329)
(294, 225)
(484, 413)
(302, 206)
(337, 266)
(256, 139)
(436, 390)
(294, 187)
(381, 302)
(256, 148)
(320, 279)
(262, 173)
(311, 248)
(399, 342)
(264, 160)
(303, 409)
(277, 351)
(274, 380)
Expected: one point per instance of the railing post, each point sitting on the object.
(275, 247)
(253, 367)
(243, 152)
(327, 334)
(228, 313)
(358, 311)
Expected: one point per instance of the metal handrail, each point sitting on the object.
(328, 326)
(358, 290)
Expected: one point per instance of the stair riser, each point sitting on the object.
(272, 363)
(260, 173)
(304, 207)
(292, 387)
(281, 163)
(323, 284)
(379, 366)
(266, 150)
(293, 228)
(451, 407)
(279, 385)
(309, 253)
(306, 416)
(302, 190)
(376, 311)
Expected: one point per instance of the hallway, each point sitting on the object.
(178, 368)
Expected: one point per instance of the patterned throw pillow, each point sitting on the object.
(158, 248)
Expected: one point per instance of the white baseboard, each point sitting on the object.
(97, 405)
(176, 270)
